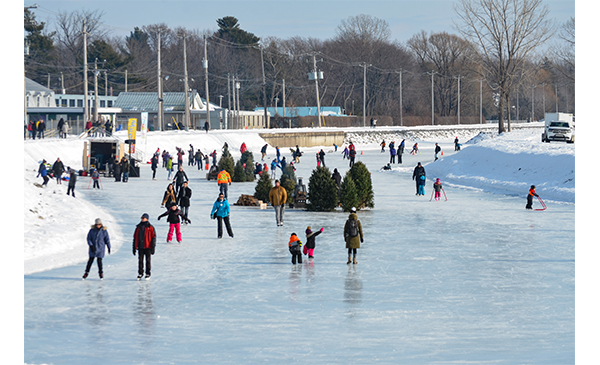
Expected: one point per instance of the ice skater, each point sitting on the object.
(295, 248)
(437, 188)
(309, 248)
(530, 196)
(353, 236)
(419, 176)
(98, 241)
(220, 211)
(144, 244)
(438, 149)
(174, 218)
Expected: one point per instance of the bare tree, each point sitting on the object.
(506, 32)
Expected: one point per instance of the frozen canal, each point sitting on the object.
(475, 279)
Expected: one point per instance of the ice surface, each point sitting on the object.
(475, 279)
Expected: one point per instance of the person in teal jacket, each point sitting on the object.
(220, 211)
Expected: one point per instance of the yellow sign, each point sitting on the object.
(131, 128)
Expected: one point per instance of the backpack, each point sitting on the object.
(353, 228)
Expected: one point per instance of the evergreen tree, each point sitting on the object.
(288, 181)
(239, 174)
(364, 187)
(263, 187)
(348, 193)
(248, 159)
(226, 162)
(322, 191)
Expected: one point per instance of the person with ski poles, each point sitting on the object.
(437, 188)
(530, 196)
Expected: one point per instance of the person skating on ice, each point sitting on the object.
(221, 211)
(419, 177)
(437, 188)
(295, 249)
(353, 235)
(174, 217)
(144, 244)
(98, 242)
(309, 248)
(530, 196)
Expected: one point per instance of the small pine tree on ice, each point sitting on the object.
(348, 193)
(263, 187)
(322, 191)
(288, 181)
(226, 162)
(248, 159)
(364, 187)
(239, 174)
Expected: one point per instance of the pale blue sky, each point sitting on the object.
(280, 18)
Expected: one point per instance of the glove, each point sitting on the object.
(189, 221)
(321, 229)
(109, 251)
(158, 217)
(133, 250)
(93, 248)
(362, 241)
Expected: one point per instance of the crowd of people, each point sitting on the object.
(177, 197)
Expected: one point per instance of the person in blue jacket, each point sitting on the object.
(221, 210)
(97, 240)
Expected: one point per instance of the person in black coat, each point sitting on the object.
(183, 198)
(179, 179)
(58, 169)
(72, 181)
(418, 173)
(117, 170)
(154, 165)
(337, 178)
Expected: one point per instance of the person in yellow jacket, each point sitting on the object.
(223, 180)
(278, 197)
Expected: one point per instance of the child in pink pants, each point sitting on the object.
(173, 218)
(309, 248)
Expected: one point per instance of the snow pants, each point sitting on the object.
(309, 251)
(529, 202)
(438, 195)
(71, 189)
(296, 254)
(177, 228)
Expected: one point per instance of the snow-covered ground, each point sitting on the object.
(55, 224)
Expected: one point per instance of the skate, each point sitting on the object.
(101, 276)
(139, 277)
(85, 275)
(148, 277)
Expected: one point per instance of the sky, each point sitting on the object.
(275, 18)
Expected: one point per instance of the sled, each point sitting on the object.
(542, 203)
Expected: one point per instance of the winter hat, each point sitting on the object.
(145, 215)
(98, 221)
(308, 230)
(438, 179)
(353, 210)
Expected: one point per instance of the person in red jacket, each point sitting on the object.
(144, 243)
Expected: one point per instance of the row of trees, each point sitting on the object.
(495, 58)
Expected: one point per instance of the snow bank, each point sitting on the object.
(55, 225)
(510, 164)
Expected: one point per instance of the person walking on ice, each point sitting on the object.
(353, 235)
(295, 249)
(419, 176)
(98, 241)
(220, 211)
(144, 244)
(438, 149)
(309, 248)
(530, 196)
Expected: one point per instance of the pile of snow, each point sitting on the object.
(509, 164)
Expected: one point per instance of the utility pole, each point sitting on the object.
(480, 101)
(458, 106)
(62, 83)
(400, 74)
(237, 95)
(264, 85)
(205, 66)
(364, 94)
(186, 87)
(86, 112)
(160, 91)
(316, 75)
(283, 102)
(229, 114)
(95, 90)
(105, 83)
(432, 98)
(532, 103)
(125, 80)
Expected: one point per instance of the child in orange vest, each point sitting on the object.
(295, 247)
(530, 197)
